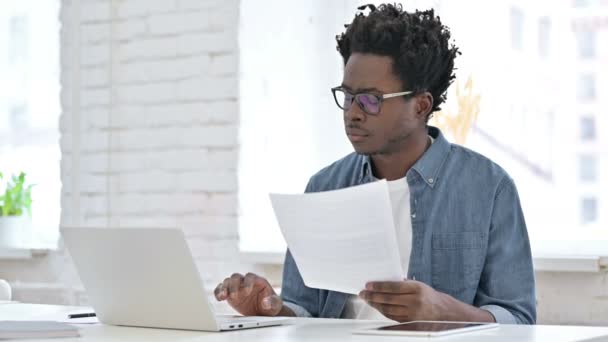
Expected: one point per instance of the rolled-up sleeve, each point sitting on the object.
(507, 286)
(501, 315)
(298, 310)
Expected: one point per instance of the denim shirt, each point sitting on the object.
(469, 237)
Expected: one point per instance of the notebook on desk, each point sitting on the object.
(36, 329)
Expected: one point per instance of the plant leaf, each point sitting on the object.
(17, 196)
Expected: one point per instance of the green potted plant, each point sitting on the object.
(15, 211)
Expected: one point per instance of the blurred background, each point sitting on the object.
(188, 112)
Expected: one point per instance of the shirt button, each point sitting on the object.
(414, 215)
(431, 180)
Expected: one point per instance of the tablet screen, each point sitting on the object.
(429, 326)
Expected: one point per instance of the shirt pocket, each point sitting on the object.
(457, 260)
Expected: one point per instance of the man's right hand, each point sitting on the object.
(251, 295)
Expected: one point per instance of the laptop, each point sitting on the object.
(146, 277)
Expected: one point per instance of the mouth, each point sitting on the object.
(356, 137)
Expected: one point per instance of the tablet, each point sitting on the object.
(427, 328)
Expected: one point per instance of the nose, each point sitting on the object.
(354, 113)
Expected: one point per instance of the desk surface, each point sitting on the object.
(303, 329)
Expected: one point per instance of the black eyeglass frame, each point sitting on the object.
(356, 97)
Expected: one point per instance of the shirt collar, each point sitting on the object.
(428, 166)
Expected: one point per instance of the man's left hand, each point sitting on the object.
(406, 300)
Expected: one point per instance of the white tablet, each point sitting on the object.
(427, 328)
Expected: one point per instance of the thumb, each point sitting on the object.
(271, 305)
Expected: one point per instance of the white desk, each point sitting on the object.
(303, 329)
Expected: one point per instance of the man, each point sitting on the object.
(458, 220)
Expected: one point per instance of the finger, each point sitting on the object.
(249, 282)
(384, 298)
(219, 292)
(390, 309)
(406, 286)
(271, 305)
(224, 290)
(234, 285)
(258, 283)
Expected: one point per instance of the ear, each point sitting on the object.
(424, 105)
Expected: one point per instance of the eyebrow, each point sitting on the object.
(360, 90)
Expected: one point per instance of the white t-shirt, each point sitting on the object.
(399, 191)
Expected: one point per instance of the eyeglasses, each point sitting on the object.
(369, 103)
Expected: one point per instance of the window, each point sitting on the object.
(18, 40)
(586, 43)
(588, 168)
(300, 131)
(588, 210)
(18, 117)
(517, 28)
(29, 106)
(588, 3)
(586, 87)
(544, 36)
(587, 128)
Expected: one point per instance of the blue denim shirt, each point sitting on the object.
(469, 237)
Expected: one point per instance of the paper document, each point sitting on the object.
(36, 329)
(341, 239)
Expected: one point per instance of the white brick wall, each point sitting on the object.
(158, 92)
